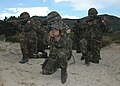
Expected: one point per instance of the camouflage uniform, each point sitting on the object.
(76, 37)
(40, 30)
(91, 43)
(28, 39)
(60, 51)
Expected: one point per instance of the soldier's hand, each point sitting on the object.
(58, 38)
(51, 34)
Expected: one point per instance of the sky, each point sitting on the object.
(72, 9)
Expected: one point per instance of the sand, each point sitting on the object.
(12, 73)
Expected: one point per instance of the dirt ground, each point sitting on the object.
(12, 73)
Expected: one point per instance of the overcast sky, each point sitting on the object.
(67, 8)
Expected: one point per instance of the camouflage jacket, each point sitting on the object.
(92, 27)
(65, 42)
(29, 28)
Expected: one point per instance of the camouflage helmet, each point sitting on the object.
(92, 11)
(24, 15)
(53, 16)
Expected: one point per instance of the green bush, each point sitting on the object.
(105, 43)
(111, 38)
(107, 40)
(116, 37)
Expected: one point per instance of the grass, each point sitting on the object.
(109, 38)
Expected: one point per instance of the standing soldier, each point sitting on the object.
(28, 39)
(40, 30)
(91, 43)
(59, 39)
(77, 36)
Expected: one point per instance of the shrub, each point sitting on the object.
(107, 40)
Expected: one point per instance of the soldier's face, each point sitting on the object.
(92, 15)
(68, 31)
(56, 33)
(24, 18)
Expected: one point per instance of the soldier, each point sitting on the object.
(59, 39)
(28, 37)
(91, 43)
(40, 30)
(77, 36)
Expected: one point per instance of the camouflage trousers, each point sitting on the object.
(56, 60)
(78, 48)
(91, 50)
(28, 46)
(40, 46)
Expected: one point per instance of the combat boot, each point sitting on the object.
(63, 75)
(24, 60)
(87, 61)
